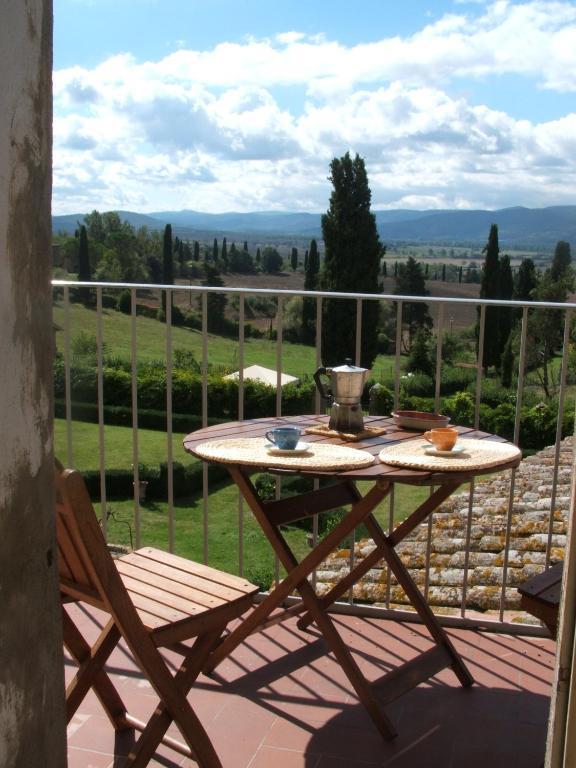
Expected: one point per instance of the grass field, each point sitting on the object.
(152, 446)
(297, 359)
(223, 511)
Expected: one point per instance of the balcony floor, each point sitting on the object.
(280, 702)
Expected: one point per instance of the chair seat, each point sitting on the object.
(540, 596)
(171, 592)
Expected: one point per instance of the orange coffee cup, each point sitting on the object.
(442, 438)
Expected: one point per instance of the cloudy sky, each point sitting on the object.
(239, 105)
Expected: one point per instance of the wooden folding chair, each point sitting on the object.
(155, 600)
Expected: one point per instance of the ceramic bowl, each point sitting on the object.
(419, 420)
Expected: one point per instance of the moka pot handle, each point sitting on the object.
(325, 393)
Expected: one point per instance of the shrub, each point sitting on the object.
(381, 400)
(124, 302)
(457, 379)
(460, 408)
(493, 393)
(117, 387)
(417, 385)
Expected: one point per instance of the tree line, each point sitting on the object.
(108, 249)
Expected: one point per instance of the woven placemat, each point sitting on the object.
(349, 437)
(253, 451)
(477, 454)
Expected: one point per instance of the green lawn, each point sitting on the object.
(152, 446)
(222, 506)
(223, 532)
(297, 359)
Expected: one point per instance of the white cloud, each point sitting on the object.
(207, 129)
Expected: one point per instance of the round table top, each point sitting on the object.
(373, 445)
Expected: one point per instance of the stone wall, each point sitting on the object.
(445, 543)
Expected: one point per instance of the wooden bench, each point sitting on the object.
(540, 596)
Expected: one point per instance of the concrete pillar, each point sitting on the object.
(32, 715)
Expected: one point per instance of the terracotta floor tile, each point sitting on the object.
(282, 701)
(269, 757)
(80, 758)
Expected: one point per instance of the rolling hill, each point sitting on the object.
(517, 227)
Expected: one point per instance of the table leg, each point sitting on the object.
(417, 600)
(296, 574)
(297, 577)
(385, 550)
(399, 533)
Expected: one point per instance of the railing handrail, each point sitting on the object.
(320, 294)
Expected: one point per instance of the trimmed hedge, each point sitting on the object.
(120, 416)
(259, 399)
(120, 482)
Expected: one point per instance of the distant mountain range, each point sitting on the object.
(517, 227)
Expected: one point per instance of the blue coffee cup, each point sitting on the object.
(285, 438)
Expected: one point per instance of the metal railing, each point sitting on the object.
(201, 295)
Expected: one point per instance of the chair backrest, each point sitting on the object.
(86, 568)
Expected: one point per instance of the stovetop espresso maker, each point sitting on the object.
(344, 395)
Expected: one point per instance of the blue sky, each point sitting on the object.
(240, 105)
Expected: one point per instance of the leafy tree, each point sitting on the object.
(351, 263)
(525, 281)
(420, 360)
(84, 271)
(167, 262)
(546, 327)
(415, 315)
(240, 261)
(271, 260)
(294, 259)
(154, 269)
(490, 289)
(95, 227)
(310, 284)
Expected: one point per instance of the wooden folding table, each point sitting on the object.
(343, 491)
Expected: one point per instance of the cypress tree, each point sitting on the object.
(84, 270)
(167, 262)
(196, 252)
(294, 259)
(215, 251)
(490, 289)
(351, 263)
(310, 284)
